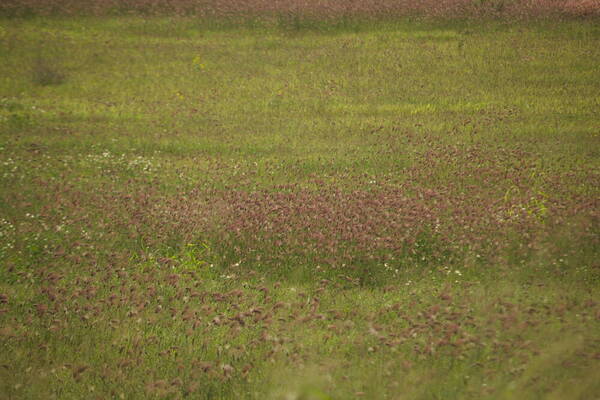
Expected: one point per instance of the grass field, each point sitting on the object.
(289, 208)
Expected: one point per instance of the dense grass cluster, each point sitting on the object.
(299, 208)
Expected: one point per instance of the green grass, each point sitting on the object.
(163, 182)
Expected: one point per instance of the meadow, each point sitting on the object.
(299, 208)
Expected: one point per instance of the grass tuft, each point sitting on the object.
(47, 72)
